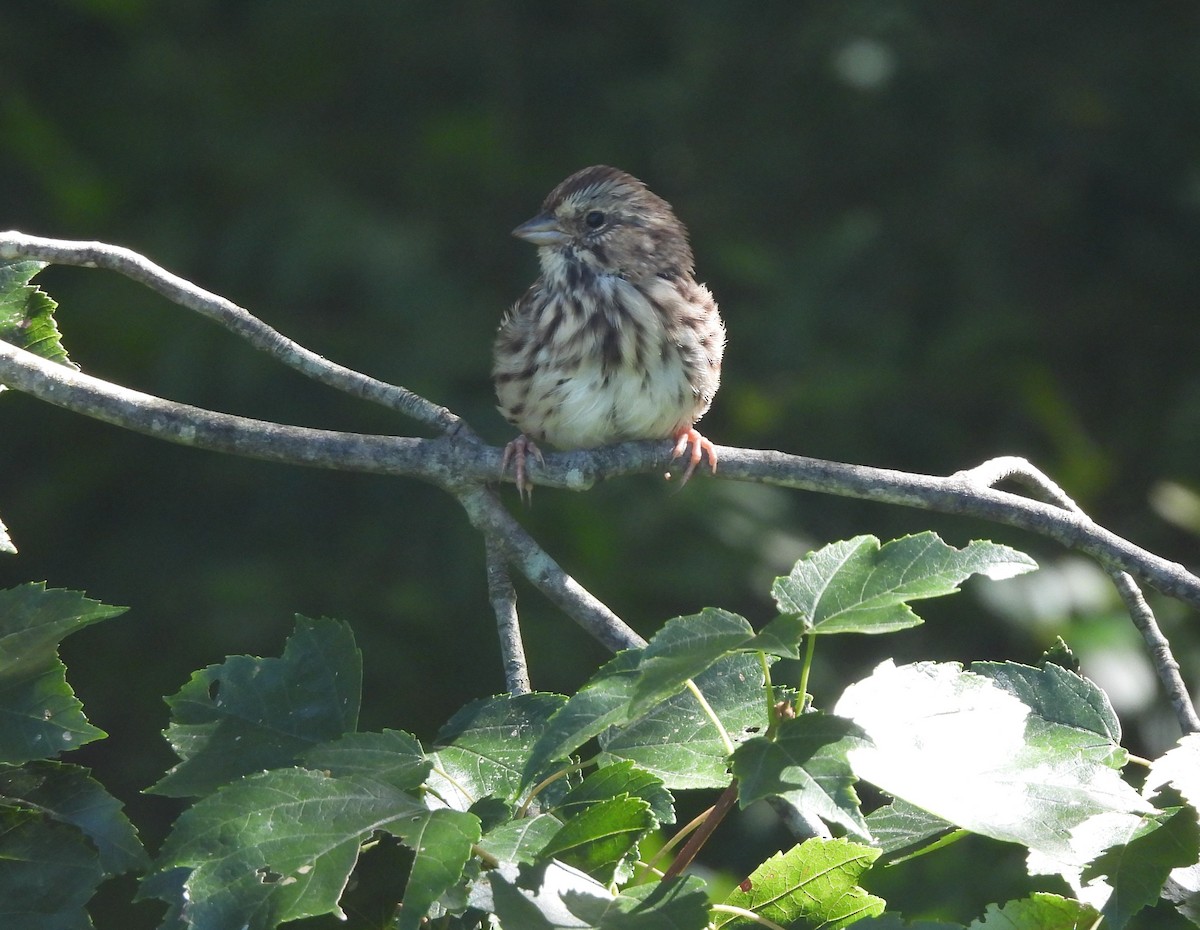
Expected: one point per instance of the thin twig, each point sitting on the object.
(16, 245)
(504, 604)
(697, 840)
(1160, 652)
(486, 513)
(1019, 470)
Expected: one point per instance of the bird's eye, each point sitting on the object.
(594, 220)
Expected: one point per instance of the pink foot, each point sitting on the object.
(516, 451)
(700, 448)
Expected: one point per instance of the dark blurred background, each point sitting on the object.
(938, 233)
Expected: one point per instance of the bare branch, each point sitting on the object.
(486, 513)
(451, 463)
(504, 604)
(1019, 470)
(16, 245)
(461, 464)
(960, 495)
(1160, 652)
(454, 464)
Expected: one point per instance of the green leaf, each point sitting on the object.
(538, 898)
(602, 702)
(48, 873)
(1183, 890)
(1038, 912)
(27, 313)
(806, 764)
(392, 757)
(600, 837)
(678, 904)
(816, 882)
(677, 742)
(1060, 654)
(616, 780)
(40, 716)
(442, 842)
(1138, 869)
(68, 795)
(1065, 698)
(521, 840)
(682, 650)
(1179, 767)
(955, 744)
(856, 586)
(250, 714)
(900, 825)
(277, 846)
(783, 636)
(558, 896)
(891, 921)
(485, 747)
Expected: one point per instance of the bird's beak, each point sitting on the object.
(542, 230)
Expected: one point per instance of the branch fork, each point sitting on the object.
(458, 462)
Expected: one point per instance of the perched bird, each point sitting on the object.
(616, 340)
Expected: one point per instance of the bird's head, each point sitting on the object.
(603, 221)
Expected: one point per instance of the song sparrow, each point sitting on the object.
(615, 340)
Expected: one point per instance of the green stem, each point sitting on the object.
(810, 646)
(748, 915)
(769, 689)
(549, 780)
(712, 715)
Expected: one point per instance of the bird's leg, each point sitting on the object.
(700, 448)
(516, 451)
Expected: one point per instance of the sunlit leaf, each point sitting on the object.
(1180, 767)
(558, 896)
(1136, 870)
(677, 904)
(27, 313)
(1063, 698)
(955, 744)
(889, 921)
(816, 882)
(1038, 912)
(857, 586)
(7, 547)
(535, 898)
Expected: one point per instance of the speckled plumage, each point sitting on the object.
(615, 340)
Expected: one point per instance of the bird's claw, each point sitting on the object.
(700, 447)
(516, 452)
